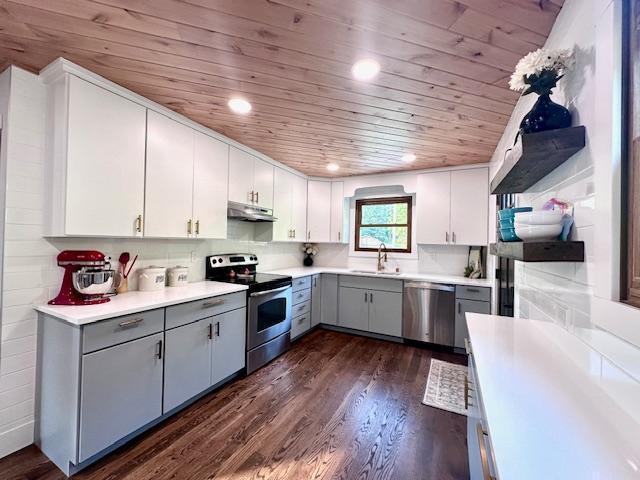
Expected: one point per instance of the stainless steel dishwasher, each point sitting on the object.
(428, 312)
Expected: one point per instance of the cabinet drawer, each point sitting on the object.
(370, 283)
(121, 329)
(482, 294)
(300, 309)
(301, 283)
(301, 296)
(184, 313)
(299, 325)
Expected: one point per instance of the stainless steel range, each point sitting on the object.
(268, 305)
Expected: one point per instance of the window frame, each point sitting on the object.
(383, 201)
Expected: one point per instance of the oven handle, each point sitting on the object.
(266, 292)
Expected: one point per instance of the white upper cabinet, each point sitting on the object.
(289, 207)
(470, 206)
(169, 180)
(251, 180)
(318, 211)
(299, 208)
(100, 149)
(433, 204)
(210, 188)
(453, 207)
(339, 214)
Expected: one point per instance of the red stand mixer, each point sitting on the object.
(87, 280)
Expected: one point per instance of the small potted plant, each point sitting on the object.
(309, 250)
(539, 72)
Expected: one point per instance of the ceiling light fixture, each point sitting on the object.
(408, 157)
(365, 69)
(332, 167)
(239, 105)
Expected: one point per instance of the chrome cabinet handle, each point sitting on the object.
(338, 236)
(294, 233)
(159, 353)
(365, 297)
(131, 323)
(467, 346)
(473, 290)
(197, 227)
(370, 297)
(257, 197)
(459, 307)
(486, 473)
(189, 226)
(217, 329)
(446, 237)
(453, 237)
(139, 223)
(213, 303)
(210, 331)
(309, 235)
(315, 281)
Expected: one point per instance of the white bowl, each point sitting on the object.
(539, 217)
(537, 232)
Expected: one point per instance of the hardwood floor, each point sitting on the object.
(335, 407)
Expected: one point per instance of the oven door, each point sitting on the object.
(269, 315)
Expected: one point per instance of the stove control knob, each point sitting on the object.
(214, 261)
(220, 260)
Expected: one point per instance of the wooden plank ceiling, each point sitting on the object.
(442, 93)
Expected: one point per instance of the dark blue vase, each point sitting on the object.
(308, 261)
(545, 115)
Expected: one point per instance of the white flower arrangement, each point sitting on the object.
(539, 71)
(310, 249)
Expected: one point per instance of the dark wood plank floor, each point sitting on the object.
(335, 407)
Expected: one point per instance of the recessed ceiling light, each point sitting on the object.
(408, 157)
(365, 69)
(239, 105)
(332, 167)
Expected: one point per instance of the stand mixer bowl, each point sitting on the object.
(89, 281)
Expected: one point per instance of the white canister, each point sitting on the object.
(178, 276)
(152, 279)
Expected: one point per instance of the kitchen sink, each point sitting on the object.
(374, 272)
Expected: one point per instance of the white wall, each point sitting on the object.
(583, 297)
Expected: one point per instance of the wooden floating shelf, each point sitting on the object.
(552, 251)
(534, 156)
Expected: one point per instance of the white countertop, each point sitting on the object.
(298, 272)
(134, 302)
(553, 410)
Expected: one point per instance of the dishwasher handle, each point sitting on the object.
(430, 286)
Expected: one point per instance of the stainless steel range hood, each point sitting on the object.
(249, 213)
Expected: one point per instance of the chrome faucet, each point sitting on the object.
(381, 257)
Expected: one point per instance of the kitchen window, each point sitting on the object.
(383, 220)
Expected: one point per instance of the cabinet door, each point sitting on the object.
(353, 308)
(463, 306)
(318, 215)
(470, 206)
(329, 295)
(169, 179)
(228, 353)
(385, 313)
(299, 209)
(187, 363)
(283, 184)
(339, 217)
(121, 392)
(210, 186)
(316, 300)
(241, 165)
(433, 201)
(263, 183)
(105, 162)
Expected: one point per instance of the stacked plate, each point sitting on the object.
(506, 219)
(538, 225)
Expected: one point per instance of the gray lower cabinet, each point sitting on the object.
(121, 391)
(187, 367)
(300, 325)
(316, 300)
(385, 313)
(462, 307)
(329, 299)
(353, 308)
(228, 350)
